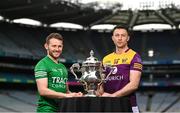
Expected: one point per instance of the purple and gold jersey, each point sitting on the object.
(122, 63)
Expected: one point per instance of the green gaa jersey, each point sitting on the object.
(57, 78)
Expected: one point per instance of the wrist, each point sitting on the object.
(68, 92)
(65, 95)
(115, 94)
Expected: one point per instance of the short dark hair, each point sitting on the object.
(121, 27)
(54, 35)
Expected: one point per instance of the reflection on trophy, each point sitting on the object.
(92, 74)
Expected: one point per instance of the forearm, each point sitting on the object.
(128, 89)
(51, 94)
(131, 86)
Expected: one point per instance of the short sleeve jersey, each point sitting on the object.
(123, 63)
(56, 75)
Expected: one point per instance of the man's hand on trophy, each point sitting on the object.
(107, 95)
(74, 94)
(99, 90)
(98, 93)
(69, 95)
(79, 94)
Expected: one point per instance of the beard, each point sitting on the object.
(54, 54)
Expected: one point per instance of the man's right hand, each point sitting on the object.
(79, 94)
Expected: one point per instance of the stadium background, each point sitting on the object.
(21, 47)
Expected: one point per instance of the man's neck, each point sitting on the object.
(54, 60)
(121, 50)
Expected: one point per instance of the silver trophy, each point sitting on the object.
(92, 74)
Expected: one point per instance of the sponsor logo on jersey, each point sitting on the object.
(124, 60)
(114, 70)
(59, 82)
(110, 78)
(116, 61)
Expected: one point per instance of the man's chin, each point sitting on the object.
(121, 46)
(55, 56)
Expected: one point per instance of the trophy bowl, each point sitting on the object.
(92, 75)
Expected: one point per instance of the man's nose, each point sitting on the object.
(119, 37)
(56, 48)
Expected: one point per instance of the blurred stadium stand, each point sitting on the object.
(17, 101)
(28, 42)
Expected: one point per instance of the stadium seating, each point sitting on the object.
(17, 101)
(24, 41)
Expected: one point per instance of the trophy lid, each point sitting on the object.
(91, 59)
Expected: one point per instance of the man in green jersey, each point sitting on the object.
(51, 76)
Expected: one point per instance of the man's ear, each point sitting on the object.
(46, 46)
(112, 38)
(128, 38)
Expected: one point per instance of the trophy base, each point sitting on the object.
(91, 93)
(87, 95)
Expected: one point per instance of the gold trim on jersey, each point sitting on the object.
(116, 59)
(137, 66)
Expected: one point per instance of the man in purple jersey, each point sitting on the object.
(127, 64)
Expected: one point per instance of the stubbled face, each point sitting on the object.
(120, 38)
(54, 48)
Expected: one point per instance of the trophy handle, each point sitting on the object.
(75, 65)
(111, 70)
(104, 78)
(86, 85)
